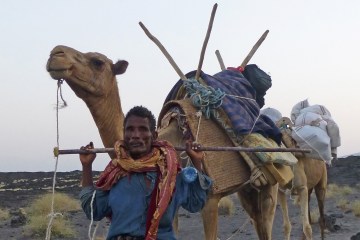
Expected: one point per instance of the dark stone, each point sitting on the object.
(356, 236)
(18, 218)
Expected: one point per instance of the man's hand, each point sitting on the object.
(87, 159)
(196, 155)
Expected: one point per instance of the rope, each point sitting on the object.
(240, 229)
(208, 99)
(92, 217)
(64, 102)
(204, 97)
(51, 214)
(198, 114)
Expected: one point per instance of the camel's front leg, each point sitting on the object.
(210, 217)
(320, 191)
(285, 213)
(304, 206)
(300, 184)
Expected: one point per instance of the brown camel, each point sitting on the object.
(309, 174)
(92, 77)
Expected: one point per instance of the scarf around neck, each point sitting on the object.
(163, 160)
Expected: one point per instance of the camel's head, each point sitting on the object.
(86, 73)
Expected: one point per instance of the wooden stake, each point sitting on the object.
(164, 51)
(221, 62)
(254, 49)
(197, 75)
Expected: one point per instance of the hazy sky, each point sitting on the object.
(312, 52)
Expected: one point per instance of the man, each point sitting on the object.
(142, 189)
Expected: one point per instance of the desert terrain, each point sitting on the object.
(19, 189)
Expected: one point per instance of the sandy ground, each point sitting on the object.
(18, 189)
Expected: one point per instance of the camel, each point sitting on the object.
(309, 174)
(92, 77)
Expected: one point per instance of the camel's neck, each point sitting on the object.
(108, 116)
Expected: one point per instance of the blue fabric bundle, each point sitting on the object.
(238, 102)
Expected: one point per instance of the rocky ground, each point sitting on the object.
(18, 189)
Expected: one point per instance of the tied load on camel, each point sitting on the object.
(215, 122)
(92, 77)
(310, 173)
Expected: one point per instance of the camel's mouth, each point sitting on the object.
(57, 66)
(58, 74)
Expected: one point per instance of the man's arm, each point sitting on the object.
(86, 161)
(197, 156)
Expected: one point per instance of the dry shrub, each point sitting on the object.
(342, 204)
(226, 206)
(100, 238)
(334, 190)
(62, 203)
(356, 208)
(60, 227)
(4, 214)
(39, 210)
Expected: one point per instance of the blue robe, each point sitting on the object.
(129, 198)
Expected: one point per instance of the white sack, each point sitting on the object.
(319, 109)
(312, 119)
(332, 128)
(295, 111)
(314, 138)
(274, 114)
(333, 132)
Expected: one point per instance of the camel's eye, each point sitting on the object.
(97, 63)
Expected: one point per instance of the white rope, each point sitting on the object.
(94, 233)
(92, 216)
(52, 215)
(239, 97)
(198, 114)
(241, 228)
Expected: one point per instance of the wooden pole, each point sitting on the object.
(164, 51)
(58, 152)
(254, 49)
(197, 75)
(221, 62)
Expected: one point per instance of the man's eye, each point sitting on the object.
(144, 129)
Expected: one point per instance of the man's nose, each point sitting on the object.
(135, 134)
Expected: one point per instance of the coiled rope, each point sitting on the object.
(204, 97)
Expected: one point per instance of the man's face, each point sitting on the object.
(138, 137)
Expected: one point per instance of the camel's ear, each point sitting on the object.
(119, 67)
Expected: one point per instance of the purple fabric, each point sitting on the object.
(241, 112)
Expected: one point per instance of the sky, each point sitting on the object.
(311, 52)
